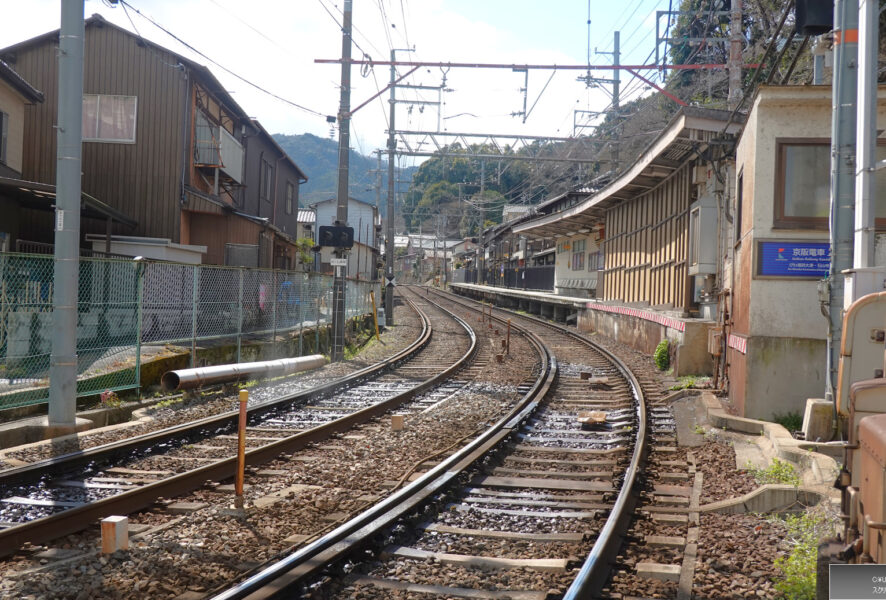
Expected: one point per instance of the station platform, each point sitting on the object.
(639, 327)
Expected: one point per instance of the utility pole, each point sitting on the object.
(389, 230)
(735, 39)
(842, 193)
(616, 89)
(66, 271)
(341, 214)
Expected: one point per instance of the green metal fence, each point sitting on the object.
(132, 310)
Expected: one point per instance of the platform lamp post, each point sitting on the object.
(66, 270)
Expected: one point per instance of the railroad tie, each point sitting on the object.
(444, 591)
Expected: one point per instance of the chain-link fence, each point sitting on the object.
(130, 310)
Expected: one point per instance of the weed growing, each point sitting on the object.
(798, 566)
(792, 421)
(779, 471)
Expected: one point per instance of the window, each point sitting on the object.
(4, 134)
(563, 247)
(207, 141)
(578, 255)
(802, 187)
(109, 118)
(290, 197)
(266, 180)
(595, 261)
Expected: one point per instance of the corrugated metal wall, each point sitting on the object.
(141, 179)
(646, 245)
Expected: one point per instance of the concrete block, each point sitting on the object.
(115, 534)
(818, 419)
(397, 422)
(658, 571)
(665, 540)
(184, 508)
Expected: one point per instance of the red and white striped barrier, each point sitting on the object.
(641, 314)
(738, 343)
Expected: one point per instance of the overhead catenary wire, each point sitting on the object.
(124, 3)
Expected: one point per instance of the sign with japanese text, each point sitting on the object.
(793, 259)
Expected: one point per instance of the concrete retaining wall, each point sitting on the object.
(689, 352)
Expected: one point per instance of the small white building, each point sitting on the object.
(363, 217)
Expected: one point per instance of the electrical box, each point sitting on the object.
(336, 236)
(715, 340)
(699, 174)
(814, 17)
(703, 232)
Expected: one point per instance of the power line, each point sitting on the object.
(220, 66)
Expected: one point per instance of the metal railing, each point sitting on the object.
(130, 311)
(521, 278)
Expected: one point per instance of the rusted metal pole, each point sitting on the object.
(508, 343)
(374, 314)
(241, 449)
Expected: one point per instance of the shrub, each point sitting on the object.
(798, 567)
(662, 357)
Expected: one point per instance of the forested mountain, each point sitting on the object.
(446, 192)
(318, 158)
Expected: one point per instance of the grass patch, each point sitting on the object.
(691, 381)
(780, 471)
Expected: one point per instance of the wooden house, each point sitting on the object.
(163, 144)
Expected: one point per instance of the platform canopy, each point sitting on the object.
(688, 133)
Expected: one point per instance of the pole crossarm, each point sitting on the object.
(501, 157)
(584, 67)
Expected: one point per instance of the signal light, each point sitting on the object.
(336, 236)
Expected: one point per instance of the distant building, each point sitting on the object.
(364, 219)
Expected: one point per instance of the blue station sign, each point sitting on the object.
(793, 259)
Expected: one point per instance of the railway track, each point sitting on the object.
(533, 508)
(50, 498)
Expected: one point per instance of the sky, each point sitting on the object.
(274, 43)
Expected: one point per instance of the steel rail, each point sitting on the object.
(342, 541)
(594, 573)
(72, 520)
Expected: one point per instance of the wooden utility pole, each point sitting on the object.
(735, 40)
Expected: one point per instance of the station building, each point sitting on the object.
(775, 324)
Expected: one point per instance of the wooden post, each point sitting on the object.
(508, 343)
(374, 314)
(241, 449)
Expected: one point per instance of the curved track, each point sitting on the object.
(512, 510)
(58, 496)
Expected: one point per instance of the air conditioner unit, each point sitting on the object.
(703, 232)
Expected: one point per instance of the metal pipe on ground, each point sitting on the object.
(185, 379)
